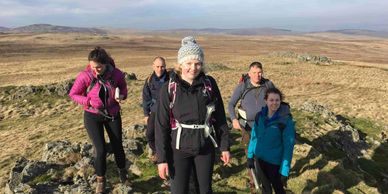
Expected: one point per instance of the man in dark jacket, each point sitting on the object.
(151, 89)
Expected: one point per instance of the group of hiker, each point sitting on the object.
(186, 121)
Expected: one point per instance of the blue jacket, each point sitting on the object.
(273, 139)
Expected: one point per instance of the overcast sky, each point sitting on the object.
(300, 15)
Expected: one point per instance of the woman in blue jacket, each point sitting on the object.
(272, 140)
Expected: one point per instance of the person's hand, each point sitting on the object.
(251, 163)
(284, 181)
(236, 124)
(163, 170)
(225, 157)
(146, 120)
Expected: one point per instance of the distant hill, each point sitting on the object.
(237, 31)
(2, 29)
(361, 32)
(48, 28)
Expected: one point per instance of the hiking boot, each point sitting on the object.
(100, 186)
(123, 175)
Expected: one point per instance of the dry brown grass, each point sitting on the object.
(357, 87)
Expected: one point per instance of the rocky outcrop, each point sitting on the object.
(67, 167)
(315, 59)
(334, 131)
(58, 89)
(35, 101)
(130, 76)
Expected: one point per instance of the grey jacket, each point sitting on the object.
(253, 100)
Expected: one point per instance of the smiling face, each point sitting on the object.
(273, 102)
(98, 68)
(191, 69)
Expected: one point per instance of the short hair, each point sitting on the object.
(273, 91)
(160, 58)
(99, 55)
(256, 64)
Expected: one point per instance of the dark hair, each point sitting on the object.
(99, 55)
(160, 58)
(273, 91)
(256, 64)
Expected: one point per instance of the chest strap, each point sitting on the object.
(208, 127)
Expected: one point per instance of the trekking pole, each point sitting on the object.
(254, 179)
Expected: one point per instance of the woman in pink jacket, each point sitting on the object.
(100, 88)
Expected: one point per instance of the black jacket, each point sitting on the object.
(189, 108)
(151, 89)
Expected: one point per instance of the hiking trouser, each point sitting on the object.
(271, 171)
(182, 165)
(94, 124)
(150, 133)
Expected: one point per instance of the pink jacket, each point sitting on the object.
(114, 78)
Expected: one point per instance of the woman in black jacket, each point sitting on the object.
(190, 123)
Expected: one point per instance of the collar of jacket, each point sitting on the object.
(264, 114)
(261, 83)
(161, 78)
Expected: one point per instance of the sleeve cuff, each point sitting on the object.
(285, 169)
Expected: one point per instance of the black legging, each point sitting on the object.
(182, 165)
(151, 132)
(271, 171)
(94, 124)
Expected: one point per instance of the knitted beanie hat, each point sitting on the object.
(190, 50)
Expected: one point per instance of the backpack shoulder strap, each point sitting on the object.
(266, 83)
(172, 91)
(148, 80)
(208, 87)
(93, 82)
(244, 80)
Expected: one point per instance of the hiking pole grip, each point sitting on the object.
(254, 179)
